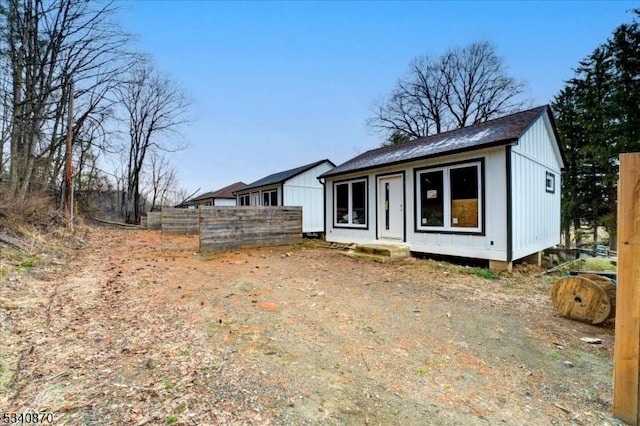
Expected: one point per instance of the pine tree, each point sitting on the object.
(598, 116)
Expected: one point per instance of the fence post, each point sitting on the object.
(626, 373)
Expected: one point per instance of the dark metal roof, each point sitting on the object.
(499, 131)
(281, 177)
(226, 192)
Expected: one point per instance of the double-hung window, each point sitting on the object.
(350, 203)
(449, 198)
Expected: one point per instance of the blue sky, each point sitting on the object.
(276, 85)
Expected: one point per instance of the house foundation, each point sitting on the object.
(500, 265)
(534, 259)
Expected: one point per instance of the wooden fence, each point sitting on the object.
(179, 221)
(224, 228)
(154, 220)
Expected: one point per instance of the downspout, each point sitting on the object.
(509, 204)
(324, 206)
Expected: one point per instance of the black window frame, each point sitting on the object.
(270, 193)
(447, 228)
(550, 177)
(349, 224)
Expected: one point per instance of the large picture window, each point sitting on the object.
(449, 198)
(350, 203)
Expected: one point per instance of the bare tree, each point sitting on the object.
(5, 117)
(162, 179)
(46, 44)
(462, 87)
(155, 108)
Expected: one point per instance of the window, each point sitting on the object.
(550, 182)
(431, 194)
(244, 200)
(449, 198)
(350, 203)
(270, 198)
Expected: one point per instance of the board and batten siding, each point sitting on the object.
(224, 228)
(492, 245)
(305, 190)
(535, 212)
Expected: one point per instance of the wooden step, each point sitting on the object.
(379, 252)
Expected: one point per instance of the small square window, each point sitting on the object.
(550, 183)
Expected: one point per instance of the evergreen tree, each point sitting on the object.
(598, 116)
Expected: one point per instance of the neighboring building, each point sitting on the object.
(487, 191)
(295, 187)
(221, 197)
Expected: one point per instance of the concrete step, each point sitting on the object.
(379, 252)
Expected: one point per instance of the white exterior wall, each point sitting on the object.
(305, 190)
(224, 202)
(535, 212)
(492, 245)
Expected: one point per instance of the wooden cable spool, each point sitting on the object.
(585, 297)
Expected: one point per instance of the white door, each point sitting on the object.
(391, 207)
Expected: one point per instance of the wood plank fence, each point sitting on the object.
(224, 228)
(179, 221)
(154, 220)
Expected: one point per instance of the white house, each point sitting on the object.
(487, 191)
(295, 187)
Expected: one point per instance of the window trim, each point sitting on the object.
(350, 225)
(480, 230)
(550, 176)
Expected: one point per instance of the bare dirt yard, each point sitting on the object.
(139, 328)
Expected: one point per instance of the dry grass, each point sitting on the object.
(34, 242)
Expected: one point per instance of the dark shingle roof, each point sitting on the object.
(280, 177)
(226, 192)
(499, 131)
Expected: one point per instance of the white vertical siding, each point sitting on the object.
(305, 190)
(224, 202)
(535, 212)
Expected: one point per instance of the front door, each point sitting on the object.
(391, 207)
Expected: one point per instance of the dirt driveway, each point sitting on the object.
(139, 328)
